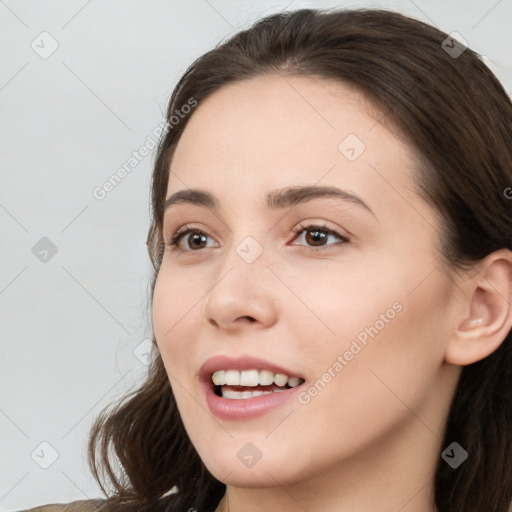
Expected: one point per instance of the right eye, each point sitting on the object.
(192, 236)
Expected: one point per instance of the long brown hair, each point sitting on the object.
(458, 117)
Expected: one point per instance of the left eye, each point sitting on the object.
(318, 235)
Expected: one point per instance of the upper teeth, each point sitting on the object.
(252, 378)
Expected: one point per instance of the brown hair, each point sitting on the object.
(458, 117)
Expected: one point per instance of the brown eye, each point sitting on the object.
(195, 239)
(318, 236)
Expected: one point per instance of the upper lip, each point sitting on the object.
(246, 362)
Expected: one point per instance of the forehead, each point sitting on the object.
(277, 131)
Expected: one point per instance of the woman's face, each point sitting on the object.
(354, 306)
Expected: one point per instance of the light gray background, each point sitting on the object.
(70, 325)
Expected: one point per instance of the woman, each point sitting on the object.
(331, 238)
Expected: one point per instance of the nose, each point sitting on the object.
(244, 294)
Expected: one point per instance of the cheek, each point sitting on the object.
(338, 306)
(361, 391)
(176, 306)
(381, 334)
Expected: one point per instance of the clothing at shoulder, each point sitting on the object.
(75, 506)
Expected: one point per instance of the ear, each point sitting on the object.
(487, 319)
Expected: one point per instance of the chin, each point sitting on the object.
(249, 478)
(264, 473)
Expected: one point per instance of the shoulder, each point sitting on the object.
(98, 505)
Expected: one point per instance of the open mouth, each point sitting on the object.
(235, 384)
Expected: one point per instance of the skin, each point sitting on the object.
(371, 438)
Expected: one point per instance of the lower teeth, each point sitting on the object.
(237, 395)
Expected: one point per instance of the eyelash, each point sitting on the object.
(185, 230)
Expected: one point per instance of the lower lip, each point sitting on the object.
(245, 408)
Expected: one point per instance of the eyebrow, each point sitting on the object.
(274, 200)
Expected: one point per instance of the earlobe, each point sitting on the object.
(489, 319)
